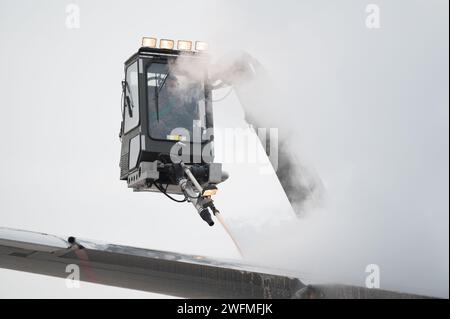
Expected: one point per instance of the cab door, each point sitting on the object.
(130, 130)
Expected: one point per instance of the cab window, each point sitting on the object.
(175, 100)
(131, 98)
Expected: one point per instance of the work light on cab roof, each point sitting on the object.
(182, 45)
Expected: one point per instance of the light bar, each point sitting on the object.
(184, 45)
(166, 44)
(201, 46)
(149, 42)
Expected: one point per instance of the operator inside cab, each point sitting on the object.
(175, 102)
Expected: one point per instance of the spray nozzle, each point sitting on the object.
(206, 216)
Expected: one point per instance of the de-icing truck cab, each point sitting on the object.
(167, 124)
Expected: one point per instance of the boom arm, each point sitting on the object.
(259, 101)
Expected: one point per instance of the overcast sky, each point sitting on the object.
(368, 108)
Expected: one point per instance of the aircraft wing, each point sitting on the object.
(161, 272)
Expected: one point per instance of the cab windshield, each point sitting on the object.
(176, 103)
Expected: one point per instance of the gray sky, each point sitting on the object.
(368, 108)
